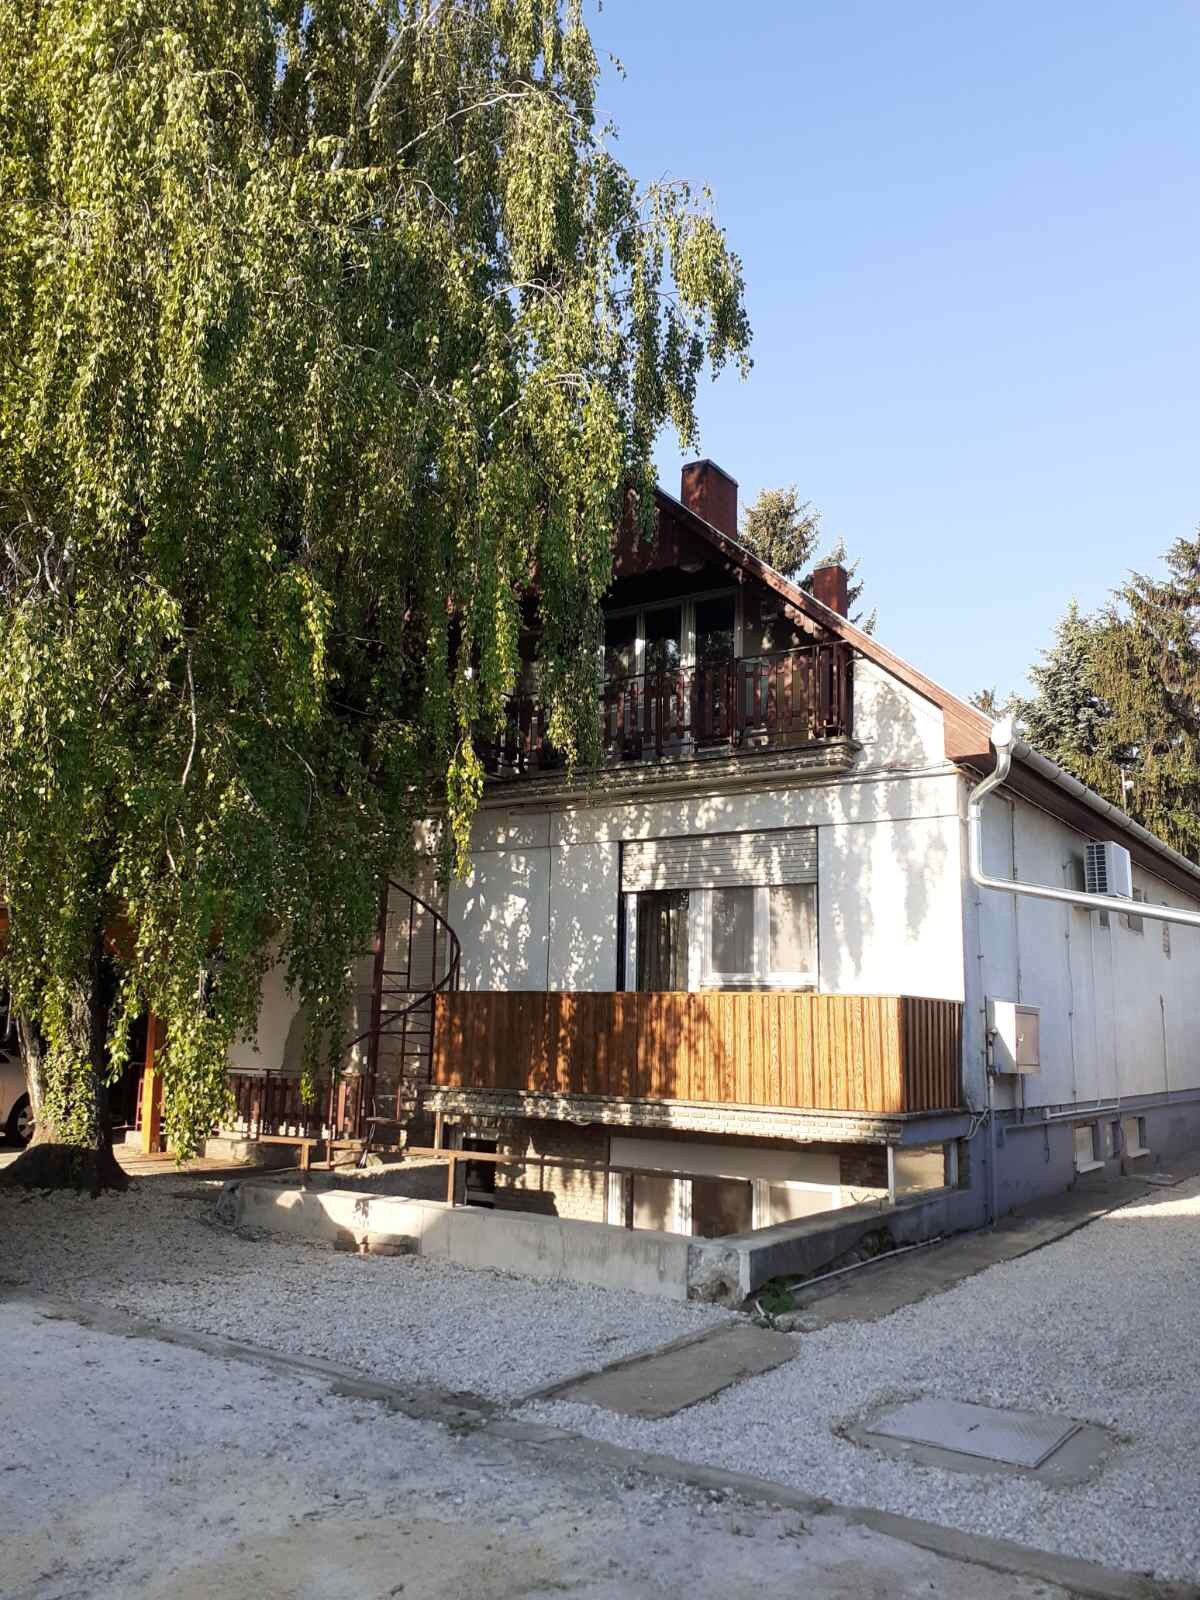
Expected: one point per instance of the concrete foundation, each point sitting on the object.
(729, 1270)
(1035, 1157)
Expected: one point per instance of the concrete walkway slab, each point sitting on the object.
(668, 1381)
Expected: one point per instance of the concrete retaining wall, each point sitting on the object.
(534, 1246)
(666, 1264)
(732, 1268)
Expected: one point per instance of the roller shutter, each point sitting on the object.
(720, 860)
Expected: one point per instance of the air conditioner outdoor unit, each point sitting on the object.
(1107, 869)
(1014, 1033)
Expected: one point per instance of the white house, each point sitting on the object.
(742, 974)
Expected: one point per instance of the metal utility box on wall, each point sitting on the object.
(1107, 869)
(1013, 1035)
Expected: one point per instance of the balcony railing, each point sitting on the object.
(788, 698)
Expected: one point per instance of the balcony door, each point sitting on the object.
(668, 671)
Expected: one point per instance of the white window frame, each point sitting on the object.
(687, 625)
(762, 977)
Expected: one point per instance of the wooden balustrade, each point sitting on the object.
(271, 1103)
(783, 698)
(887, 1054)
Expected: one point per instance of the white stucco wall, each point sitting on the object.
(1118, 1015)
(896, 726)
(890, 921)
(276, 1044)
(539, 908)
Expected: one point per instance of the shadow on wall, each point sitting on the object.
(492, 911)
(880, 875)
(534, 916)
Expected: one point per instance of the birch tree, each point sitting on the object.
(329, 332)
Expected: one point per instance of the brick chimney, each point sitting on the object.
(711, 494)
(830, 586)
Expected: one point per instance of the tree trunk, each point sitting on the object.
(57, 1157)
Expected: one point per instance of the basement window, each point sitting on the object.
(721, 1206)
(920, 1167)
(479, 1177)
(1133, 1134)
(1086, 1157)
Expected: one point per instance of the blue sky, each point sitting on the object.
(970, 236)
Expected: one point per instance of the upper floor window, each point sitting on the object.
(657, 639)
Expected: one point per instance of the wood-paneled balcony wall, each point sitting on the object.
(886, 1054)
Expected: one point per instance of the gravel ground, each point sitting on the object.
(1101, 1326)
(155, 1251)
(135, 1468)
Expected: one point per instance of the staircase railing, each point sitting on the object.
(407, 1026)
(417, 955)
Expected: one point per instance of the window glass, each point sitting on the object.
(793, 928)
(721, 1206)
(662, 940)
(732, 948)
(620, 647)
(920, 1167)
(654, 1202)
(664, 632)
(1085, 1144)
(714, 629)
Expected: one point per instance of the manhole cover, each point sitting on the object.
(1018, 1438)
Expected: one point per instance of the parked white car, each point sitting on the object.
(16, 1118)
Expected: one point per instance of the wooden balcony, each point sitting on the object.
(777, 701)
(882, 1054)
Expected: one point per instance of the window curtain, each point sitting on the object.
(662, 941)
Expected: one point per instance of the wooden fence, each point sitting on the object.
(876, 1053)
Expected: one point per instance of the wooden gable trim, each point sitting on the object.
(966, 729)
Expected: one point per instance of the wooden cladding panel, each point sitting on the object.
(877, 1053)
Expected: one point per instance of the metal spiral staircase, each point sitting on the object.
(374, 1096)
(417, 956)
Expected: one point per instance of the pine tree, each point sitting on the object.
(1068, 719)
(782, 530)
(1145, 662)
